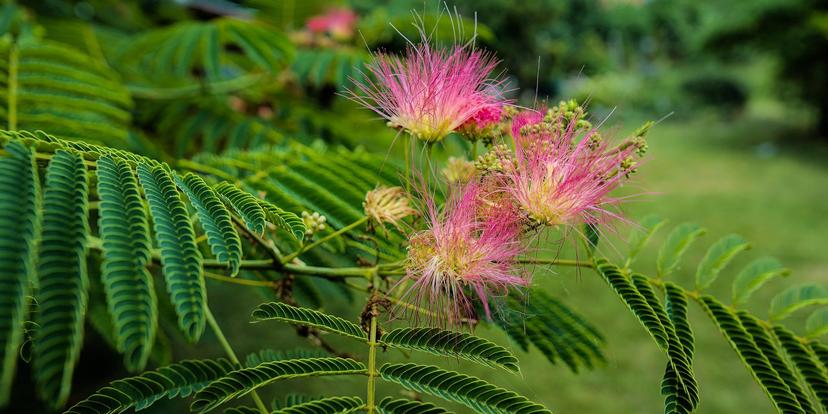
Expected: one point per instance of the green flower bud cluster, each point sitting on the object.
(314, 223)
(495, 160)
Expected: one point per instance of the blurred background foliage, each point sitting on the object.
(741, 88)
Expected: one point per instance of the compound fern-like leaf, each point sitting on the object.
(303, 316)
(753, 358)
(640, 236)
(285, 220)
(178, 380)
(677, 243)
(777, 361)
(179, 254)
(717, 257)
(240, 382)
(245, 204)
(331, 405)
(814, 374)
(124, 229)
(472, 392)
(389, 405)
(215, 218)
(754, 275)
(19, 226)
(797, 297)
(634, 301)
(63, 281)
(453, 344)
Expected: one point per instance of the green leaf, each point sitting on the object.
(125, 235)
(285, 220)
(817, 323)
(66, 92)
(178, 380)
(677, 400)
(389, 405)
(677, 243)
(303, 316)
(221, 235)
(642, 234)
(797, 297)
(774, 356)
(240, 382)
(472, 392)
(754, 275)
(331, 405)
(245, 204)
(452, 344)
(717, 257)
(679, 382)
(268, 355)
(180, 256)
(753, 358)
(19, 226)
(591, 236)
(806, 362)
(63, 292)
(634, 301)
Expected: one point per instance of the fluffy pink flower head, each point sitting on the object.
(429, 91)
(464, 253)
(563, 174)
(339, 23)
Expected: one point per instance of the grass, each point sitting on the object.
(746, 176)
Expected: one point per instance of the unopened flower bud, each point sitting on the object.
(314, 223)
(459, 170)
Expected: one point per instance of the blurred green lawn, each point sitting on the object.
(751, 176)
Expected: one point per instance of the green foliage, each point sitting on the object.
(817, 323)
(47, 85)
(285, 220)
(453, 344)
(303, 316)
(19, 226)
(181, 49)
(243, 381)
(717, 257)
(678, 241)
(124, 229)
(62, 277)
(752, 356)
(452, 386)
(554, 328)
(221, 235)
(245, 205)
(754, 275)
(815, 375)
(339, 67)
(332, 405)
(777, 361)
(177, 380)
(797, 297)
(179, 254)
(389, 405)
(267, 355)
(638, 239)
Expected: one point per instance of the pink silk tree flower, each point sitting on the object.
(339, 23)
(429, 92)
(483, 124)
(462, 255)
(564, 172)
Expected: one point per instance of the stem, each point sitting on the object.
(239, 281)
(407, 150)
(474, 150)
(428, 171)
(231, 354)
(557, 262)
(271, 250)
(372, 362)
(307, 247)
(13, 58)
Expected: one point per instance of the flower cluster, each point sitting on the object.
(338, 23)
(557, 173)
